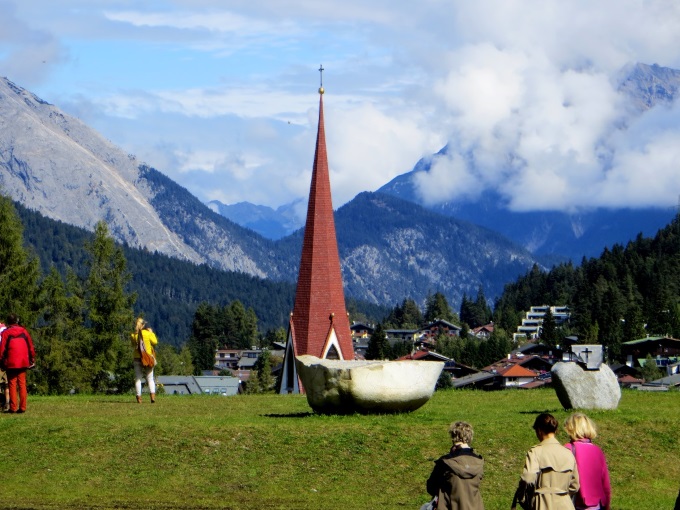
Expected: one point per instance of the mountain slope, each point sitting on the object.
(551, 235)
(392, 249)
(58, 166)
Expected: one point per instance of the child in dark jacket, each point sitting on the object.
(456, 476)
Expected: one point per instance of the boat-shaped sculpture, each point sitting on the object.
(357, 386)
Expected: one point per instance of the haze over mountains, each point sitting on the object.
(552, 235)
(391, 247)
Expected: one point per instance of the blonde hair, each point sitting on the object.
(139, 325)
(461, 432)
(579, 426)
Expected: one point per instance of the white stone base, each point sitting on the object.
(342, 387)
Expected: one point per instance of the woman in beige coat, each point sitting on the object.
(549, 470)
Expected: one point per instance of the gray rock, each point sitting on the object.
(578, 388)
(344, 387)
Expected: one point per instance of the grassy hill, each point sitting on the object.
(268, 451)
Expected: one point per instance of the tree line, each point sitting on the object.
(80, 310)
(78, 293)
(626, 294)
(465, 348)
(81, 318)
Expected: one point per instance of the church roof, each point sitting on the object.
(319, 299)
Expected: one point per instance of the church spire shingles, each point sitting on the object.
(320, 322)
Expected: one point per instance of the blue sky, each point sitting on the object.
(222, 96)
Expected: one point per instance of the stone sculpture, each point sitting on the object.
(345, 387)
(577, 387)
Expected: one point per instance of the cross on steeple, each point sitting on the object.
(321, 79)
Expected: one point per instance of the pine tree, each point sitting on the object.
(438, 308)
(58, 367)
(109, 312)
(549, 331)
(242, 326)
(378, 347)
(263, 369)
(633, 327)
(410, 317)
(19, 271)
(204, 338)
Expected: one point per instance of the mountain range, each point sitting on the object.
(552, 236)
(390, 247)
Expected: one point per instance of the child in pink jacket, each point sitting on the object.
(595, 491)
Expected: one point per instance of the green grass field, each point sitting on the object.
(268, 451)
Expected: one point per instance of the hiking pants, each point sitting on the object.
(17, 376)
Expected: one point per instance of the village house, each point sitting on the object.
(401, 335)
(483, 332)
(360, 330)
(199, 385)
(227, 359)
(665, 351)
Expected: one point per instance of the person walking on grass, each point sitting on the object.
(595, 492)
(144, 339)
(550, 477)
(455, 479)
(17, 355)
(4, 388)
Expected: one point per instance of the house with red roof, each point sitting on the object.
(483, 332)
(516, 375)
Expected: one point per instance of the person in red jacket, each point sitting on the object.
(17, 355)
(4, 390)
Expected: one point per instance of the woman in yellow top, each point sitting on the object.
(149, 339)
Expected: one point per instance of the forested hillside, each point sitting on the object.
(625, 294)
(169, 290)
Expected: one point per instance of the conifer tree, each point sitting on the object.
(438, 308)
(204, 338)
(633, 327)
(244, 323)
(61, 331)
(109, 311)
(549, 331)
(19, 270)
(263, 368)
(378, 347)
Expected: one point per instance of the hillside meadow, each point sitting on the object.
(269, 451)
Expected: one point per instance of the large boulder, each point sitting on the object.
(579, 388)
(344, 387)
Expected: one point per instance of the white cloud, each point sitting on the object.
(222, 99)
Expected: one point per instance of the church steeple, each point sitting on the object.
(319, 324)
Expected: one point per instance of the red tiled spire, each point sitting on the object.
(319, 299)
